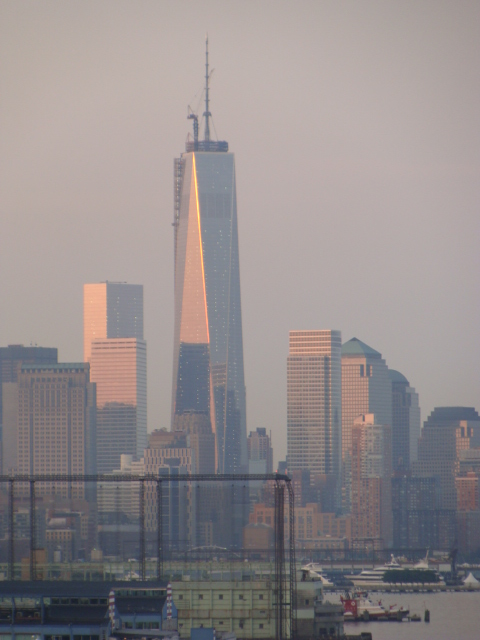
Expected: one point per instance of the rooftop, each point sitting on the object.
(356, 347)
(396, 376)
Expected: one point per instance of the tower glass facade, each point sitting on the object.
(119, 368)
(111, 310)
(114, 346)
(208, 375)
(314, 401)
(366, 388)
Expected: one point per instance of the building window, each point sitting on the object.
(200, 597)
(220, 597)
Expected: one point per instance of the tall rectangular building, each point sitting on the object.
(11, 360)
(56, 423)
(111, 310)
(405, 421)
(119, 369)
(114, 345)
(208, 375)
(371, 482)
(366, 388)
(314, 402)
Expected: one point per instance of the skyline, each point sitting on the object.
(356, 132)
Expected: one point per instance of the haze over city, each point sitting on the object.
(356, 134)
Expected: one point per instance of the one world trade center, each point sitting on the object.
(208, 376)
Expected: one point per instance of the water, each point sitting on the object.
(453, 616)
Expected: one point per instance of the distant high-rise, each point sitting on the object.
(371, 481)
(260, 452)
(111, 310)
(366, 388)
(446, 433)
(114, 346)
(314, 402)
(405, 421)
(208, 376)
(11, 360)
(56, 423)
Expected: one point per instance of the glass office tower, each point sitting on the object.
(113, 345)
(208, 376)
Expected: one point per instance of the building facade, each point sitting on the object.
(260, 452)
(314, 402)
(111, 310)
(208, 374)
(366, 388)
(11, 360)
(446, 433)
(119, 369)
(405, 421)
(117, 353)
(56, 423)
(371, 481)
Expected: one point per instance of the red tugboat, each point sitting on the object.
(358, 606)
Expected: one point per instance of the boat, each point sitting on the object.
(372, 577)
(358, 607)
(314, 571)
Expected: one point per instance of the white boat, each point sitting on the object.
(369, 577)
(314, 571)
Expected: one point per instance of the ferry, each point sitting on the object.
(371, 577)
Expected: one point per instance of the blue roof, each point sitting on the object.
(396, 376)
(356, 347)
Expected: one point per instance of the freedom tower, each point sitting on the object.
(208, 376)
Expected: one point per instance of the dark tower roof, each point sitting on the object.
(451, 415)
(396, 376)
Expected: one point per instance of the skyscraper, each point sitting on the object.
(114, 346)
(111, 310)
(56, 423)
(366, 388)
(11, 360)
(208, 376)
(446, 432)
(314, 401)
(405, 421)
(371, 482)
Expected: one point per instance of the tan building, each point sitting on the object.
(113, 344)
(119, 369)
(11, 360)
(56, 423)
(246, 608)
(111, 310)
(312, 527)
(366, 388)
(314, 401)
(468, 495)
(371, 481)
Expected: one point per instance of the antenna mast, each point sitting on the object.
(207, 113)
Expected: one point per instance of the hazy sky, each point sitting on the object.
(356, 132)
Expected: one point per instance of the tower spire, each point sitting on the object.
(207, 113)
